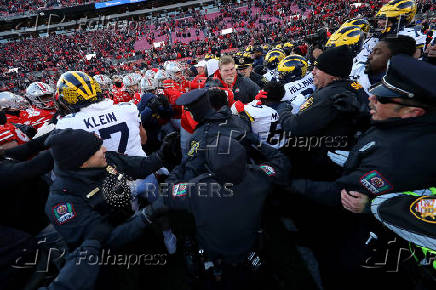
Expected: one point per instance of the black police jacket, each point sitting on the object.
(220, 123)
(70, 207)
(335, 112)
(24, 192)
(392, 156)
(227, 216)
(258, 79)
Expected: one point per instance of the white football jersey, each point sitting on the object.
(367, 47)
(264, 123)
(271, 74)
(117, 125)
(297, 92)
(370, 43)
(358, 74)
(416, 34)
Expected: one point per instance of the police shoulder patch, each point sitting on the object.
(306, 104)
(269, 170)
(424, 208)
(180, 189)
(63, 212)
(375, 182)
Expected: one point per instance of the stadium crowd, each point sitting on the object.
(294, 153)
(23, 7)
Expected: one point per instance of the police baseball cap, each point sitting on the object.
(408, 78)
(243, 62)
(191, 96)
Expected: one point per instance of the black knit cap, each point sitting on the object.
(336, 61)
(70, 148)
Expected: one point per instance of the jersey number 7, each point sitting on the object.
(105, 133)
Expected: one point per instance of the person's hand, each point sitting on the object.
(431, 50)
(354, 201)
(261, 95)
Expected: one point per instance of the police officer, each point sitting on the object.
(395, 154)
(409, 215)
(211, 123)
(226, 202)
(258, 56)
(244, 66)
(329, 119)
(84, 194)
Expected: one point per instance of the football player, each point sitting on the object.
(105, 83)
(272, 59)
(173, 87)
(393, 19)
(42, 109)
(10, 134)
(79, 96)
(298, 83)
(131, 83)
(263, 117)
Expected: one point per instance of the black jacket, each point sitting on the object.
(329, 120)
(222, 122)
(73, 214)
(337, 110)
(227, 217)
(392, 156)
(258, 79)
(244, 89)
(23, 190)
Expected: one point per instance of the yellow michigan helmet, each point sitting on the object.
(292, 68)
(76, 89)
(249, 48)
(266, 47)
(280, 46)
(351, 36)
(287, 48)
(401, 10)
(273, 57)
(361, 22)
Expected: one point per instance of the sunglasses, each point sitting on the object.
(388, 100)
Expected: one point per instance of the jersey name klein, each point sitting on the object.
(93, 122)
